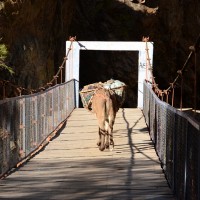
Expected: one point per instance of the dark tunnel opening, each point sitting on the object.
(100, 66)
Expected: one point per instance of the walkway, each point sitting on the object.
(72, 168)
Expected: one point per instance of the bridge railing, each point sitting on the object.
(27, 121)
(176, 137)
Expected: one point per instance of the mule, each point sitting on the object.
(104, 105)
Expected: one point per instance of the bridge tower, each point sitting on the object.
(73, 61)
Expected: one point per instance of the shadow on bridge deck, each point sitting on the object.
(71, 167)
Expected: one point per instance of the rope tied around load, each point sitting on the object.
(90, 90)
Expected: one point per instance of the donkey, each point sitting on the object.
(104, 105)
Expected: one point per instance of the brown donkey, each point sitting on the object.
(104, 105)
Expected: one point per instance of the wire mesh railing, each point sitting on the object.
(176, 137)
(26, 122)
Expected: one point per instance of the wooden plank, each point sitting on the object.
(72, 167)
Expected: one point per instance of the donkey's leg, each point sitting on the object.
(102, 143)
(110, 129)
(107, 144)
(99, 142)
(102, 130)
(111, 137)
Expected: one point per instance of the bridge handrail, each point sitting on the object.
(176, 137)
(28, 122)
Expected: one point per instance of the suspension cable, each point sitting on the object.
(159, 92)
(53, 81)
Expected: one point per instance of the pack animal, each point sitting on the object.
(104, 105)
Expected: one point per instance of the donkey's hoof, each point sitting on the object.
(98, 144)
(112, 143)
(101, 148)
(107, 145)
(111, 148)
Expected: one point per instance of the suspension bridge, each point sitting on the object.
(48, 145)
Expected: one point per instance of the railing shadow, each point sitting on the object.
(192, 113)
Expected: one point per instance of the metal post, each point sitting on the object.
(198, 167)
(75, 94)
(181, 100)
(195, 82)
(23, 124)
(52, 108)
(59, 111)
(36, 120)
(174, 153)
(172, 95)
(186, 163)
(44, 117)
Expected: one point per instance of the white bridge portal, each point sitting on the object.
(73, 61)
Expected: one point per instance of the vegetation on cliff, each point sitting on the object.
(3, 56)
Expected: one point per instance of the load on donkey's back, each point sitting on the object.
(116, 86)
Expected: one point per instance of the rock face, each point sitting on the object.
(35, 32)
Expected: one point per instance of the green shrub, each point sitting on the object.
(3, 56)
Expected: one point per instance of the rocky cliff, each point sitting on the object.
(35, 32)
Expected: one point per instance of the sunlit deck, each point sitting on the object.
(71, 166)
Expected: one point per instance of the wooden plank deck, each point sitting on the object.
(71, 167)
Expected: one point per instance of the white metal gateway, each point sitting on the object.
(73, 61)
